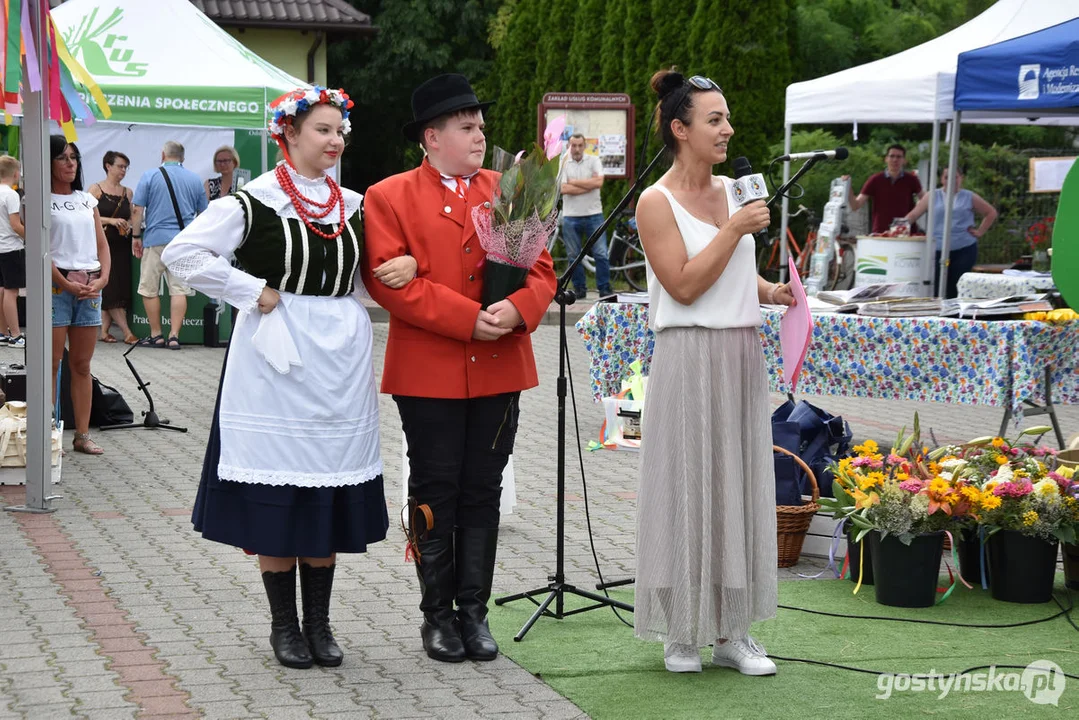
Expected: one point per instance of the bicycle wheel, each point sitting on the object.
(841, 272)
(627, 257)
(561, 259)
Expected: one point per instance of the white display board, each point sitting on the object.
(1047, 174)
(604, 134)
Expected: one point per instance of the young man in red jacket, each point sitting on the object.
(455, 370)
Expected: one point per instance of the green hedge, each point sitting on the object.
(616, 45)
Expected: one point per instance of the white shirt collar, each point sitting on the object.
(451, 182)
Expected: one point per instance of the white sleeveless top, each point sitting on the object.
(731, 302)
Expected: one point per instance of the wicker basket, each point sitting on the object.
(792, 521)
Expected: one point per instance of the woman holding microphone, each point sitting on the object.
(706, 527)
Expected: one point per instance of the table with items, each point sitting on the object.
(1001, 363)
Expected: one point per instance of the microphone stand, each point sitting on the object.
(150, 419)
(557, 588)
(780, 193)
(782, 190)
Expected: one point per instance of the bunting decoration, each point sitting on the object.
(69, 82)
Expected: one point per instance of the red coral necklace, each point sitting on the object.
(303, 204)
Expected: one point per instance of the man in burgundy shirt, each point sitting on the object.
(894, 191)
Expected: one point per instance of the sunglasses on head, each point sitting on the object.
(702, 83)
(698, 82)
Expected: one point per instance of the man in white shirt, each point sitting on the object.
(12, 253)
(582, 214)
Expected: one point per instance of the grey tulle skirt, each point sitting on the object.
(706, 517)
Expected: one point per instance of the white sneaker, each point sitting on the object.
(681, 658)
(17, 341)
(744, 655)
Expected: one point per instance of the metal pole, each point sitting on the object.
(930, 243)
(953, 163)
(37, 175)
(264, 135)
(785, 211)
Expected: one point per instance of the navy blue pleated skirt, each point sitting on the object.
(285, 520)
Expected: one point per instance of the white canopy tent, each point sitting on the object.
(165, 64)
(917, 85)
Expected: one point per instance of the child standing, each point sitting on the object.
(12, 253)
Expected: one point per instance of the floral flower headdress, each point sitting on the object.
(300, 100)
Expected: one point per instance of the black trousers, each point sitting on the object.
(959, 261)
(457, 450)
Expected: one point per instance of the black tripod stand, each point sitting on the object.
(557, 587)
(150, 419)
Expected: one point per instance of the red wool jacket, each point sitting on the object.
(430, 351)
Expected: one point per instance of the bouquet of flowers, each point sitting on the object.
(514, 227)
(1017, 490)
(900, 493)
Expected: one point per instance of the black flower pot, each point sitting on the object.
(1022, 567)
(906, 575)
(1071, 565)
(854, 550)
(969, 550)
(500, 281)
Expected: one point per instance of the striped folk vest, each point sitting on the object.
(291, 258)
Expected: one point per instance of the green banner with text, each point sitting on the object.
(200, 106)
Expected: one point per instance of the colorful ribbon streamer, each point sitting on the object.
(80, 74)
(12, 54)
(66, 76)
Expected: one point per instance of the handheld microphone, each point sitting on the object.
(839, 153)
(749, 186)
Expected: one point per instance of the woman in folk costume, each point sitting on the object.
(293, 468)
(455, 370)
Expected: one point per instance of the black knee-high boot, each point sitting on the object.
(441, 636)
(285, 637)
(475, 550)
(316, 585)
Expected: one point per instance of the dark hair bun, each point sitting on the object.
(665, 82)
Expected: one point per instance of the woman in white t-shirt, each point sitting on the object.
(706, 519)
(80, 269)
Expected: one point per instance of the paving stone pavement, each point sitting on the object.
(113, 608)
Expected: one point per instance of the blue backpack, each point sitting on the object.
(814, 435)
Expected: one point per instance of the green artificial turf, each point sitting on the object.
(595, 661)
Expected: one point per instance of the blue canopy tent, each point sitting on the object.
(1030, 76)
(1036, 73)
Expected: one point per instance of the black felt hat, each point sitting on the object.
(439, 96)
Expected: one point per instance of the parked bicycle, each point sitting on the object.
(623, 250)
(841, 267)
(768, 257)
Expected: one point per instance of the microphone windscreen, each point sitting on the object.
(742, 167)
(841, 153)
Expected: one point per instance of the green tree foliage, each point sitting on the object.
(670, 20)
(512, 120)
(744, 47)
(610, 62)
(584, 71)
(551, 69)
(418, 39)
(833, 35)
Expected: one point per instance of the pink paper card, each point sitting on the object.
(795, 330)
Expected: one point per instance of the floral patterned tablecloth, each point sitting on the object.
(988, 286)
(977, 362)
